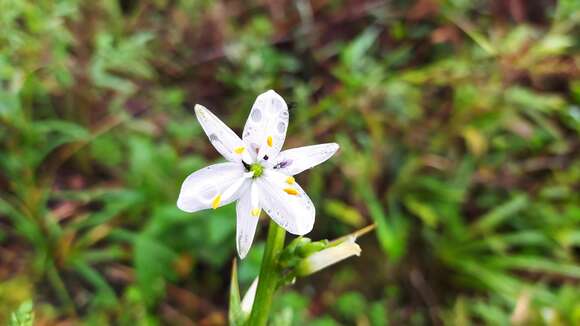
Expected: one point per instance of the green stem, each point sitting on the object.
(269, 276)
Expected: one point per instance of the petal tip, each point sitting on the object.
(303, 229)
(335, 147)
(242, 252)
(182, 205)
(200, 110)
(271, 93)
(199, 107)
(185, 206)
(307, 229)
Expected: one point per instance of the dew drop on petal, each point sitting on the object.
(281, 127)
(275, 105)
(256, 115)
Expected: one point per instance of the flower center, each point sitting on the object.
(257, 168)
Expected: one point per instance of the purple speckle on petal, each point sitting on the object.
(281, 127)
(283, 164)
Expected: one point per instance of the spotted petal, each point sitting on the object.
(247, 220)
(225, 141)
(265, 129)
(204, 188)
(286, 202)
(295, 160)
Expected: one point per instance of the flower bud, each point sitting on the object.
(328, 256)
(311, 247)
(248, 300)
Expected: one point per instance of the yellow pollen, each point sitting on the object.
(256, 212)
(216, 201)
(290, 180)
(239, 150)
(269, 141)
(291, 191)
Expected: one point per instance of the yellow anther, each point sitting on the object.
(290, 180)
(216, 201)
(269, 141)
(291, 191)
(239, 150)
(256, 212)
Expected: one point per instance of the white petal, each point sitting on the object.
(201, 188)
(295, 160)
(234, 188)
(286, 203)
(225, 141)
(265, 129)
(255, 196)
(245, 224)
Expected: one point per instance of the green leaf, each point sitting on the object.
(390, 233)
(283, 318)
(235, 315)
(355, 52)
(351, 305)
(536, 264)
(344, 213)
(423, 210)
(105, 295)
(153, 262)
(23, 316)
(498, 215)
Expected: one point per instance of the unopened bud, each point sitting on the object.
(329, 256)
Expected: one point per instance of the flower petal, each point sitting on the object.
(204, 188)
(265, 129)
(225, 141)
(295, 160)
(246, 222)
(286, 202)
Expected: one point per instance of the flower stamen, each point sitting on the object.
(239, 150)
(291, 191)
(256, 212)
(216, 201)
(269, 141)
(290, 180)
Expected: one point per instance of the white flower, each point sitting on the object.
(258, 175)
(329, 256)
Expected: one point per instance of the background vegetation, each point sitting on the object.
(458, 121)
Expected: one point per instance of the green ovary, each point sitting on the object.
(257, 169)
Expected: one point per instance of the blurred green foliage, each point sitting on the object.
(23, 316)
(459, 126)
